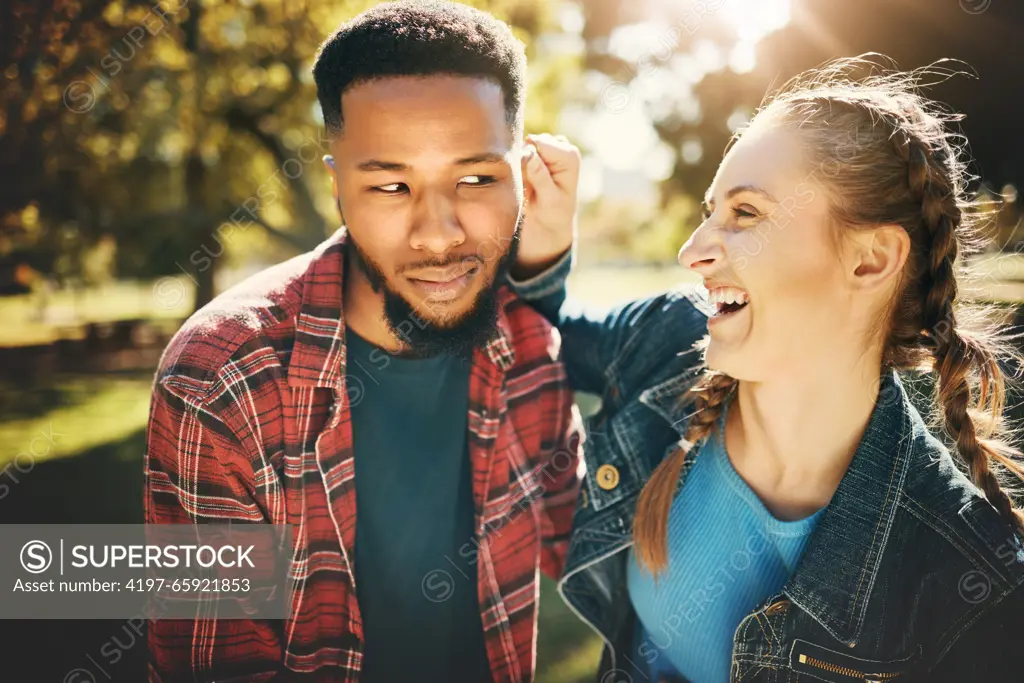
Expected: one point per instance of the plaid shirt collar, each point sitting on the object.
(318, 354)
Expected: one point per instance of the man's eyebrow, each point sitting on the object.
(380, 165)
(708, 199)
(483, 158)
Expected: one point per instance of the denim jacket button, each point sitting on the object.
(777, 607)
(607, 477)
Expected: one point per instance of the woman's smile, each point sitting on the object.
(726, 302)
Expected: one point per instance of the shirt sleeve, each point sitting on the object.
(189, 458)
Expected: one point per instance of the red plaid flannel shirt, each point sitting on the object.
(249, 422)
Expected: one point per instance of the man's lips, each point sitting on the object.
(444, 285)
(443, 275)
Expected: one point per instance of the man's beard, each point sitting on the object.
(423, 337)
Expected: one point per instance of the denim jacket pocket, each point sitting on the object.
(830, 665)
(614, 472)
(1005, 549)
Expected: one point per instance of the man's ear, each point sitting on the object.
(329, 163)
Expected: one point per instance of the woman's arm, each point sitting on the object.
(594, 341)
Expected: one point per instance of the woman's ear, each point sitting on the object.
(879, 255)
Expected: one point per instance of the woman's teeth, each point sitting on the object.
(727, 295)
(727, 299)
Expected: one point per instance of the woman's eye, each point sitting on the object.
(745, 212)
(391, 188)
(477, 179)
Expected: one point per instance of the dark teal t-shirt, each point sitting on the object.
(415, 549)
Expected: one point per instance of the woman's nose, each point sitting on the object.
(702, 251)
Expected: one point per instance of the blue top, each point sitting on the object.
(415, 581)
(726, 555)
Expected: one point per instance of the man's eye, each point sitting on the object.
(391, 188)
(477, 179)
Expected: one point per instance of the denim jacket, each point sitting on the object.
(910, 575)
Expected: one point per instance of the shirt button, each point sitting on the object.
(607, 477)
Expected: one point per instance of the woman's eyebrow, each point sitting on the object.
(751, 188)
(709, 200)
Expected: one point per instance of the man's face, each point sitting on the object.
(428, 180)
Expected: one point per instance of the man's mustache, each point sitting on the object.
(442, 263)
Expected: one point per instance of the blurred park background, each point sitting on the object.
(151, 155)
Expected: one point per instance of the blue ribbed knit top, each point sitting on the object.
(727, 554)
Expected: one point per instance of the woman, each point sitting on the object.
(777, 510)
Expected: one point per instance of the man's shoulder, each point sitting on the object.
(252, 311)
(534, 339)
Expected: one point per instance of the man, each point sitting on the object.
(387, 394)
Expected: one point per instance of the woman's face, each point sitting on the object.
(766, 245)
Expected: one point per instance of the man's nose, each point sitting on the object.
(436, 228)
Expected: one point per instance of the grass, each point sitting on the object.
(568, 651)
(27, 322)
(87, 412)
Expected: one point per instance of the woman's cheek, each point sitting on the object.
(745, 247)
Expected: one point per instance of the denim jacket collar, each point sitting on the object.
(837, 573)
(667, 398)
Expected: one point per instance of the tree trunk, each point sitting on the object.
(202, 224)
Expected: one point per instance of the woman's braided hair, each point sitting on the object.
(885, 156)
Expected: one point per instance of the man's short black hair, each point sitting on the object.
(420, 38)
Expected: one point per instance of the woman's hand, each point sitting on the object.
(551, 171)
